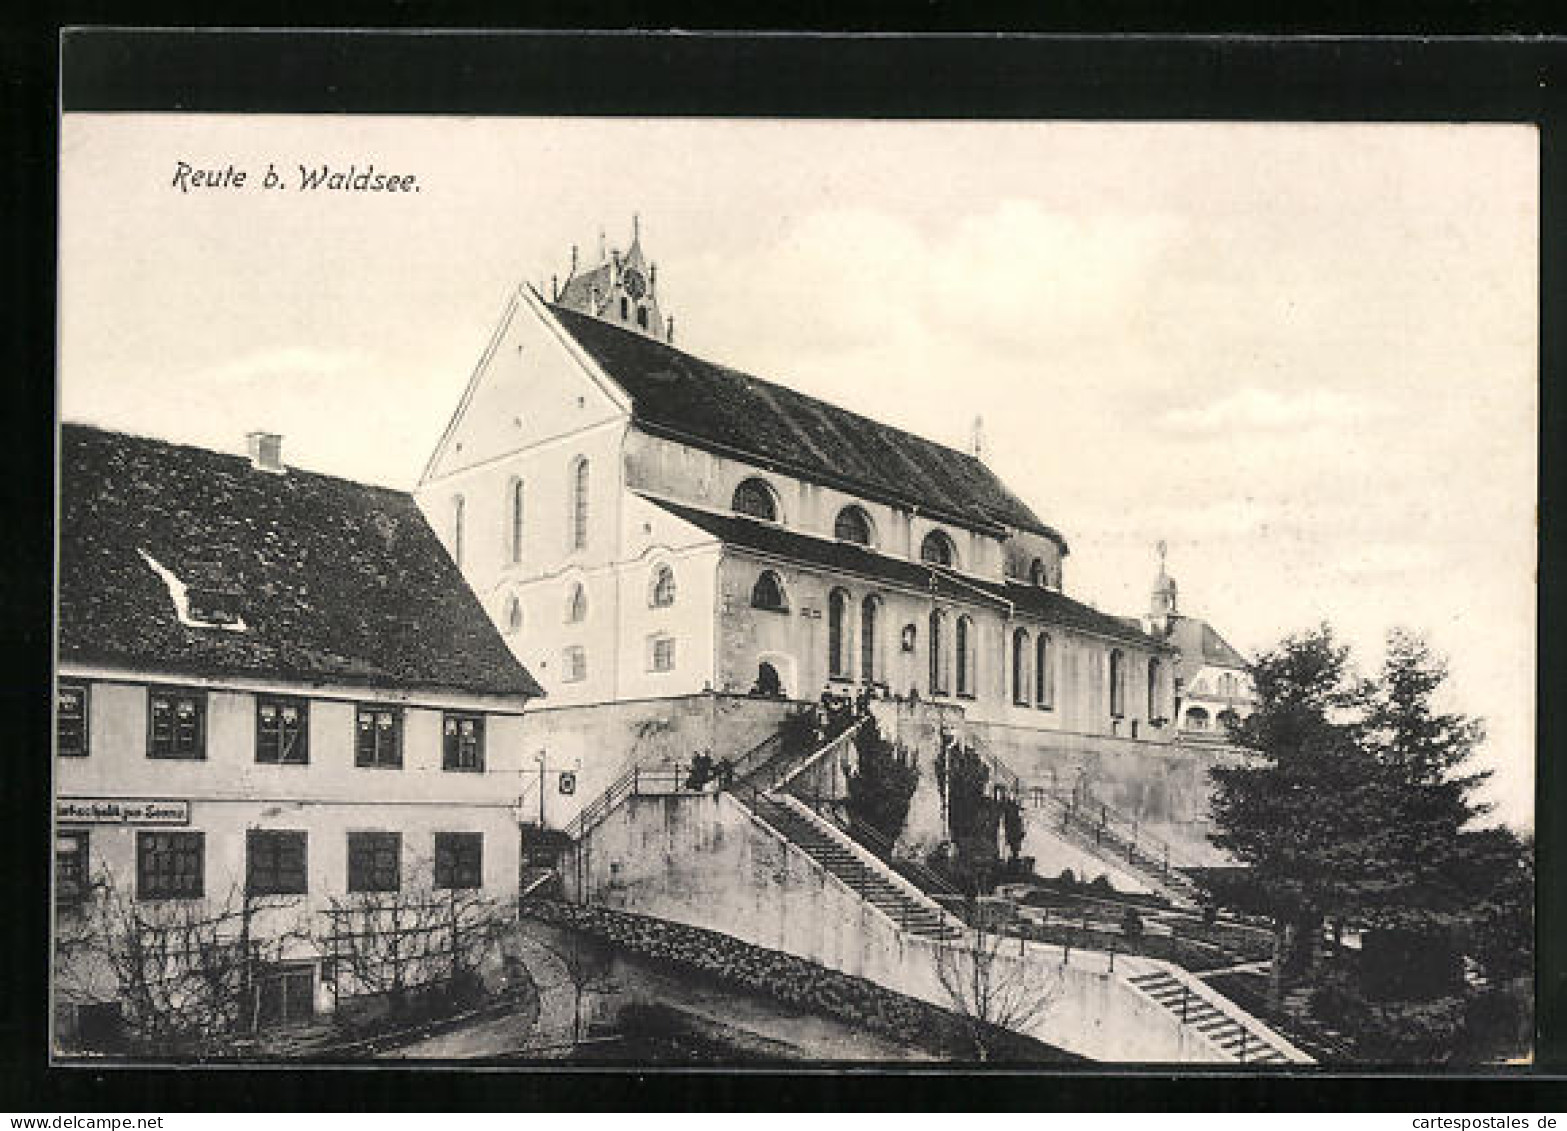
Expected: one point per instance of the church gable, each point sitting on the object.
(533, 384)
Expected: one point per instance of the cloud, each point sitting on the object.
(1267, 410)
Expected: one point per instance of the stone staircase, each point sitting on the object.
(836, 854)
(1242, 1041)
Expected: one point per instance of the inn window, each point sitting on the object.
(937, 549)
(768, 593)
(176, 724)
(282, 731)
(1037, 574)
(662, 592)
(462, 742)
(170, 865)
(755, 498)
(375, 861)
(579, 504)
(276, 862)
(378, 737)
(70, 720)
(71, 866)
(459, 860)
(575, 659)
(661, 653)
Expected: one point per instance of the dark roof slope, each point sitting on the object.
(337, 581)
(687, 398)
(765, 537)
(1197, 638)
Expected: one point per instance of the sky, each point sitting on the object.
(1305, 356)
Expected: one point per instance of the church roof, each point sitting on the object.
(1195, 637)
(710, 405)
(578, 291)
(334, 580)
(769, 538)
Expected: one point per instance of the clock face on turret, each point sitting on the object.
(635, 284)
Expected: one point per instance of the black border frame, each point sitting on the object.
(734, 74)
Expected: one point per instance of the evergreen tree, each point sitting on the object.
(881, 788)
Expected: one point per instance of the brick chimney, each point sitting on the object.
(266, 451)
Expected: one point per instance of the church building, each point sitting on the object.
(643, 524)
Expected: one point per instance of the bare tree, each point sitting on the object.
(183, 971)
(416, 938)
(991, 983)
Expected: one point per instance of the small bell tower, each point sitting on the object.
(1163, 605)
(622, 287)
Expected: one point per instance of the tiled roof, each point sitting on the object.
(578, 290)
(337, 581)
(712, 405)
(1044, 604)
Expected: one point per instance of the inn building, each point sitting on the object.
(270, 682)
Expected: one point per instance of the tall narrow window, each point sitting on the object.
(1020, 667)
(1044, 672)
(755, 498)
(577, 604)
(938, 648)
(869, 611)
(177, 724)
(514, 614)
(458, 507)
(661, 593)
(1037, 574)
(642, 317)
(282, 731)
(1153, 689)
(514, 523)
(964, 639)
(837, 634)
(71, 721)
(71, 868)
(1117, 684)
(579, 504)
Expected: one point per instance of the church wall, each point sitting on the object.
(702, 860)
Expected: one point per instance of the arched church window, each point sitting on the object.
(1044, 672)
(938, 650)
(579, 503)
(577, 604)
(963, 638)
(1020, 667)
(661, 594)
(837, 633)
(1117, 683)
(853, 525)
(870, 611)
(514, 614)
(755, 498)
(1038, 574)
(642, 317)
(1197, 718)
(937, 549)
(1154, 672)
(768, 593)
(625, 309)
